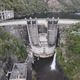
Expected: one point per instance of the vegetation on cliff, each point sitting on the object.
(29, 7)
(24, 7)
(71, 61)
(9, 46)
(64, 5)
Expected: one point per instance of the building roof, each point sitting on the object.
(19, 71)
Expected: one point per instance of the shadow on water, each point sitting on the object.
(44, 72)
(64, 15)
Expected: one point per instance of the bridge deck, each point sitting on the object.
(39, 21)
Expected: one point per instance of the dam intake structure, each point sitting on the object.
(42, 38)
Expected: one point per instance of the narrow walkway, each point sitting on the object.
(24, 22)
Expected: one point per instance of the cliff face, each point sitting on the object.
(63, 5)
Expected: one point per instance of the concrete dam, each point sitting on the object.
(41, 38)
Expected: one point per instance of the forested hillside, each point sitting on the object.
(29, 7)
(64, 5)
(69, 52)
(24, 7)
(10, 46)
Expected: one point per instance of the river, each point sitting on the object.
(45, 72)
(63, 15)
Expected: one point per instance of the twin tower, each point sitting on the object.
(42, 36)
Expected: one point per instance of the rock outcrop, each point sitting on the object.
(64, 5)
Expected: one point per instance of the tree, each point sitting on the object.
(9, 45)
(72, 65)
(24, 7)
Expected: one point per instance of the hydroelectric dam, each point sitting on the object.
(41, 38)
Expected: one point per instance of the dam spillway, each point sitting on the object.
(42, 39)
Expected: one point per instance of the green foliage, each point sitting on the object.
(73, 39)
(24, 7)
(10, 45)
(72, 64)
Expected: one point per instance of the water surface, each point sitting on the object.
(44, 72)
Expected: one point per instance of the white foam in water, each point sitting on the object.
(53, 64)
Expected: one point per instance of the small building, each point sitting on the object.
(19, 72)
(6, 14)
